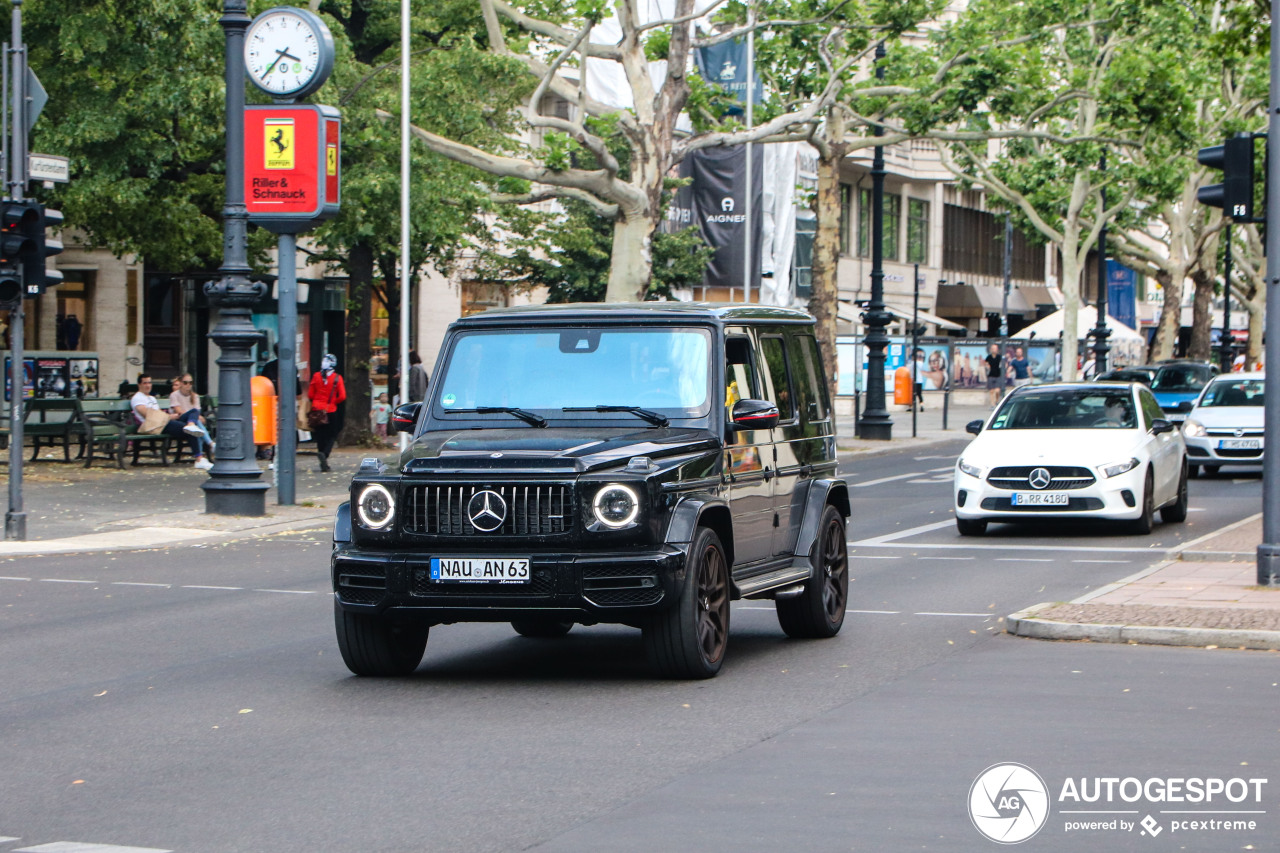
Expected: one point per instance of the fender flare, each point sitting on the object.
(342, 524)
(685, 517)
(821, 493)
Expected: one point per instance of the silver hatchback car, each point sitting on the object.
(1226, 425)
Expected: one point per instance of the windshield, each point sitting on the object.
(667, 370)
(1180, 377)
(1234, 392)
(1068, 408)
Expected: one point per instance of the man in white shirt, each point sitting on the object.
(179, 426)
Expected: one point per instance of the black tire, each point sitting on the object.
(1176, 512)
(371, 645)
(688, 640)
(1193, 471)
(1143, 523)
(1211, 470)
(971, 526)
(541, 629)
(818, 612)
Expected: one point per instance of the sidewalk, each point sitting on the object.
(929, 429)
(1207, 597)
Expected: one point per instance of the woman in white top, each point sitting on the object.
(179, 426)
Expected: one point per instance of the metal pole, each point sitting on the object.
(235, 484)
(876, 423)
(750, 182)
(1224, 345)
(15, 520)
(404, 213)
(1100, 330)
(1269, 550)
(915, 343)
(287, 372)
(1008, 274)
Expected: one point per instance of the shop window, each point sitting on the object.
(74, 321)
(892, 219)
(917, 231)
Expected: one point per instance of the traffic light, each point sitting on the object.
(1235, 194)
(25, 245)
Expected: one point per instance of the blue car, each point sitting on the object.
(1177, 384)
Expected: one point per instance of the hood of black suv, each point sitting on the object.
(576, 450)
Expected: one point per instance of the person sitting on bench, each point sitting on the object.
(179, 426)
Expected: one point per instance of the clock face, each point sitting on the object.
(288, 52)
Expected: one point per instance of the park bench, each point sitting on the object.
(110, 430)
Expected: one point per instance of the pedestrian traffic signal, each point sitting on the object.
(1235, 194)
(25, 246)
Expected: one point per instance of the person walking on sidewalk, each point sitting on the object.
(995, 373)
(327, 393)
(1020, 368)
(418, 378)
(178, 426)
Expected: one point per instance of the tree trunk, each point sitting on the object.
(1170, 316)
(631, 264)
(1201, 315)
(355, 428)
(1257, 313)
(824, 295)
(1070, 302)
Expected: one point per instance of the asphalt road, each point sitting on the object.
(194, 700)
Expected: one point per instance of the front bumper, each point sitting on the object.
(1204, 450)
(1118, 497)
(596, 587)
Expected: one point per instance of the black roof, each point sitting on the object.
(618, 312)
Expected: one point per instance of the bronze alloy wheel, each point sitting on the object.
(713, 603)
(818, 611)
(688, 639)
(835, 570)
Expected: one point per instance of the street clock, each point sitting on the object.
(288, 52)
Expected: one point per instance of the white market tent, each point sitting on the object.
(1128, 346)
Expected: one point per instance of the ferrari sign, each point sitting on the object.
(291, 165)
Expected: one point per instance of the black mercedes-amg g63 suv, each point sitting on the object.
(641, 464)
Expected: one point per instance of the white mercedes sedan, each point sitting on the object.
(1072, 450)
(1226, 425)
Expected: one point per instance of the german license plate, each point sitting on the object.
(1040, 498)
(1239, 444)
(480, 569)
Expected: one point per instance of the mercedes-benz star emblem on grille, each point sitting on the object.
(487, 510)
(1239, 433)
(1037, 479)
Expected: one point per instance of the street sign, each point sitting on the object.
(37, 97)
(49, 167)
(291, 165)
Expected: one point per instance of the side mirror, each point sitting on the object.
(404, 417)
(1160, 425)
(754, 414)
(1185, 406)
(973, 427)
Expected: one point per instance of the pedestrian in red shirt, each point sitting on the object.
(327, 392)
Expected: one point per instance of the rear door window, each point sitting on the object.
(780, 389)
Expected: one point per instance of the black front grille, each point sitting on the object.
(1064, 477)
(1236, 453)
(1073, 504)
(532, 509)
(543, 583)
(1230, 433)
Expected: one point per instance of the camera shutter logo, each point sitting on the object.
(1008, 803)
(487, 510)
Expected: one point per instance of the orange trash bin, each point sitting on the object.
(264, 410)
(902, 386)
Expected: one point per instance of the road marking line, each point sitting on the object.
(878, 612)
(1156, 554)
(1025, 560)
(1102, 561)
(910, 531)
(946, 558)
(62, 580)
(139, 583)
(878, 556)
(926, 613)
(212, 587)
(15, 579)
(898, 477)
(289, 591)
(84, 847)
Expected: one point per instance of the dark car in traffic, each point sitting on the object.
(638, 464)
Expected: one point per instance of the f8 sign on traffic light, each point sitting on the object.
(1235, 194)
(24, 247)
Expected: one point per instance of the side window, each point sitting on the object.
(781, 392)
(740, 380)
(1150, 408)
(813, 396)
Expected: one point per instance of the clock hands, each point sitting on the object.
(281, 54)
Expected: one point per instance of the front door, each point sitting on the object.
(748, 462)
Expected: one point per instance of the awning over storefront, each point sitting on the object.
(978, 300)
(851, 313)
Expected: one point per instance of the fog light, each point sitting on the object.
(1129, 500)
(962, 497)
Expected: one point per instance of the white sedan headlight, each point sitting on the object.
(1117, 468)
(1193, 429)
(375, 506)
(971, 470)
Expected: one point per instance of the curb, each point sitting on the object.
(1025, 624)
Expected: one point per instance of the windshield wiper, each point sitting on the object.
(652, 417)
(527, 417)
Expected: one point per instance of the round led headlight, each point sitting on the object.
(616, 505)
(375, 506)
